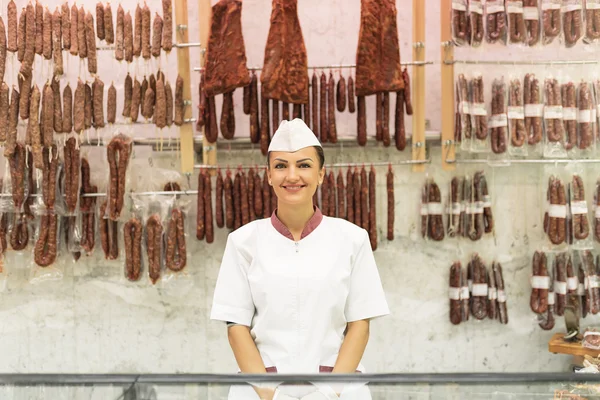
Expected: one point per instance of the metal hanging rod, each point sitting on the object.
(530, 62)
(335, 66)
(335, 165)
(508, 162)
(130, 194)
(179, 45)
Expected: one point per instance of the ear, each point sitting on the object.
(268, 172)
(321, 175)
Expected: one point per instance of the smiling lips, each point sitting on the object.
(293, 188)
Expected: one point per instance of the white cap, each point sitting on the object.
(292, 136)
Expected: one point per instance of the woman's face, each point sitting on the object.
(295, 176)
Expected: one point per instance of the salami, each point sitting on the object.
(119, 34)
(315, 104)
(67, 113)
(137, 36)
(323, 110)
(157, 28)
(118, 153)
(132, 233)
(455, 284)
(128, 38)
(351, 104)
(390, 203)
(372, 209)
(175, 255)
(146, 16)
(98, 103)
(12, 27)
(154, 230)
(91, 44)
(219, 216)
(167, 32)
(74, 32)
(100, 32)
(350, 195)
(200, 213)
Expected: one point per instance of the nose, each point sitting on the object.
(292, 174)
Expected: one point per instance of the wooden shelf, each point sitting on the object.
(558, 345)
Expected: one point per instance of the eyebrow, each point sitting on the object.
(285, 161)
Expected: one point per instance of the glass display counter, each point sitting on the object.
(381, 386)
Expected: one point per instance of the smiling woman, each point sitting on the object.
(298, 289)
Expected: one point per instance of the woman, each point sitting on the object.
(298, 289)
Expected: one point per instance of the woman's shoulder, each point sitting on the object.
(345, 230)
(249, 231)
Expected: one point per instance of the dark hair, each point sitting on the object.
(320, 156)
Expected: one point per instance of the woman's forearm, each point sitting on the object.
(353, 347)
(248, 357)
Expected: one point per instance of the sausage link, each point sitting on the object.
(228, 189)
(219, 216)
(250, 185)
(146, 16)
(351, 103)
(258, 197)
(407, 97)
(74, 31)
(532, 26)
(399, 129)
(179, 108)
(212, 130)
(128, 38)
(332, 130)
(21, 35)
(161, 105)
(39, 27)
(4, 106)
(498, 134)
(49, 171)
(254, 122)
(119, 34)
(390, 203)
(79, 107)
(488, 219)
(25, 94)
(100, 21)
(492, 303)
(477, 28)
(341, 196)
(71, 169)
(481, 128)
(341, 94)
(560, 275)
(275, 116)
(325, 196)
(34, 128)
(81, 33)
(478, 302)
(167, 32)
(136, 96)
(13, 119)
(120, 145)
(496, 25)
(516, 24)
(459, 25)
(237, 201)
(593, 293)
(265, 129)
(200, 213)
(157, 31)
(364, 199)
(46, 246)
(16, 163)
(227, 117)
(362, 121)
(556, 225)
(569, 100)
(586, 136)
(91, 44)
(111, 104)
(581, 228)
(67, 112)
(266, 190)
(323, 124)
(29, 45)
(57, 106)
(572, 27)
(350, 195)
(148, 106)
(12, 27)
(533, 125)
(315, 104)
(244, 201)
(385, 119)
(132, 233)
(435, 221)
(19, 235)
(98, 103)
(516, 126)
(154, 230)
(372, 209)
(175, 255)
(137, 33)
(109, 30)
(47, 35)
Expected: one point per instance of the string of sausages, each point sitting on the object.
(319, 112)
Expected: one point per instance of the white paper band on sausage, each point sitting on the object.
(570, 7)
(550, 5)
(498, 121)
(424, 209)
(492, 294)
(435, 208)
(494, 8)
(531, 13)
(560, 287)
(459, 6)
(557, 211)
(569, 113)
(480, 289)
(553, 112)
(579, 207)
(597, 212)
(534, 110)
(550, 298)
(581, 289)
(456, 208)
(586, 283)
(592, 5)
(501, 296)
(478, 207)
(478, 109)
(454, 293)
(516, 112)
(464, 293)
(585, 116)
(514, 7)
(593, 117)
(593, 282)
(572, 283)
(465, 106)
(463, 207)
(476, 7)
(487, 201)
(540, 282)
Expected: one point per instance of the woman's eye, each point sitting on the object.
(279, 166)
(305, 165)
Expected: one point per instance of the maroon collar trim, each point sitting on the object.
(310, 226)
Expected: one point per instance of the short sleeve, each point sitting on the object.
(232, 301)
(366, 298)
